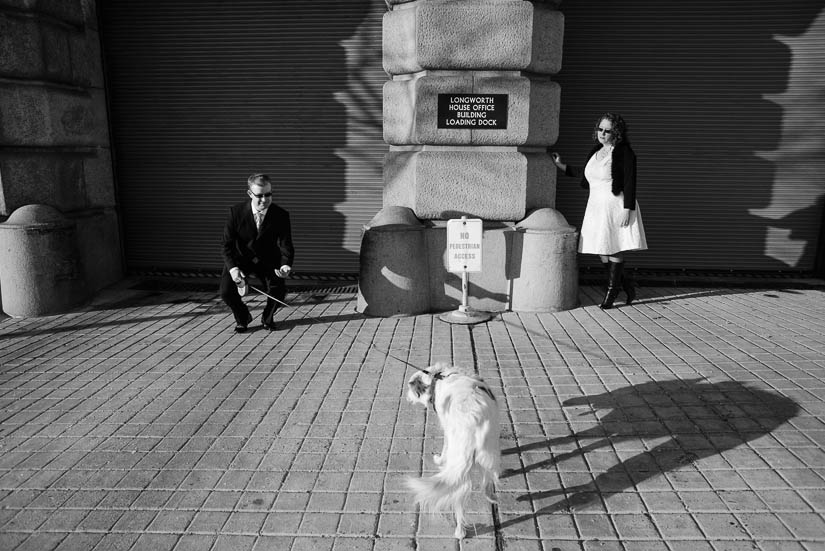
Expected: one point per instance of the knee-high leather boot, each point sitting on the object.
(606, 266)
(629, 286)
(614, 285)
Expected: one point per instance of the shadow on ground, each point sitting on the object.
(699, 419)
(202, 304)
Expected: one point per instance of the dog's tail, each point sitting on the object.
(449, 488)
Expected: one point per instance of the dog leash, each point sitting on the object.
(371, 345)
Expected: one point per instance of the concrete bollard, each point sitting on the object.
(548, 277)
(40, 271)
(393, 278)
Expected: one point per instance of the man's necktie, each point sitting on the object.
(259, 218)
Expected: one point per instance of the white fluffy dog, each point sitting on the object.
(468, 414)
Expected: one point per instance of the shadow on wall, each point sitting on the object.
(726, 119)
(799, 156)
(364, 147)
(202, 98)
(698, 419)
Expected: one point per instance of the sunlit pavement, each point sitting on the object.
(692, 419)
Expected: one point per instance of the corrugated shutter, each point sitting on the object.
(724, 100)
(725, 104)
(205, 93)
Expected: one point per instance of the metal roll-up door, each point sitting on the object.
(724, 102)
(202, 94)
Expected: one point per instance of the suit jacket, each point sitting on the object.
(247, 248)
(622, 169)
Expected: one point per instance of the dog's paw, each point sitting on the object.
(438, 459)
(490, 495)
(460, 533)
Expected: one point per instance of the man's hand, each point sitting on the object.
(236, 274)
(284, 271)
(561, 165)
(239, 278)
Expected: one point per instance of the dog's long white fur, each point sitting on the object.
(468, 415)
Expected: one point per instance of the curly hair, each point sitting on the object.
(619, 128)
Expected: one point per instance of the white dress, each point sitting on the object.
(601, 231)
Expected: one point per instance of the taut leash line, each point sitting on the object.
(371, 345)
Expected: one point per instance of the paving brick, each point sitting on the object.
(635, 526)
(312, 544)
(11, 540)
(804, 526)
(675, 525)
(73, 542)
(227, 542)
(39, 542)
(697, 545)
(784, 545)
(208, 522)
(196, 542)
(64, 520)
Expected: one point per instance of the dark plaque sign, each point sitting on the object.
(475, 111)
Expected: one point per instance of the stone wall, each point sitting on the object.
(54, 133)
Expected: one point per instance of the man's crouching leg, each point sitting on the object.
(231, 297)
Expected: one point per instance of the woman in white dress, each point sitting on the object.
(612, 221)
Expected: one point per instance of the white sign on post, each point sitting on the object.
(464, 245)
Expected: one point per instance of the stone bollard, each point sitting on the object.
(40, 272)
(548, 278)
(393, 278)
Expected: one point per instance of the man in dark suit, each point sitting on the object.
(257, 240)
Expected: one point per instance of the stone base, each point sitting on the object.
(530, 266)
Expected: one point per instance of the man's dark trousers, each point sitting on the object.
(269, 283)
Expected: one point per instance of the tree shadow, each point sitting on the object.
(700, 419)
(682, 68)
(591, 295)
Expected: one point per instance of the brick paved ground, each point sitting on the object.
(692, 420)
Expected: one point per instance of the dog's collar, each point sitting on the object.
(437, 377)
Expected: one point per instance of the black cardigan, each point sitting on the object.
(623, 171)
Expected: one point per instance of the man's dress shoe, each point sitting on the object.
(241, 327)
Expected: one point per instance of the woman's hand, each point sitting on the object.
(626, 218)
(557, 161)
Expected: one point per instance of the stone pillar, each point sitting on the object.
(497, 169)
(54, 132)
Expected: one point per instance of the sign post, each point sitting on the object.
(464, 256)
